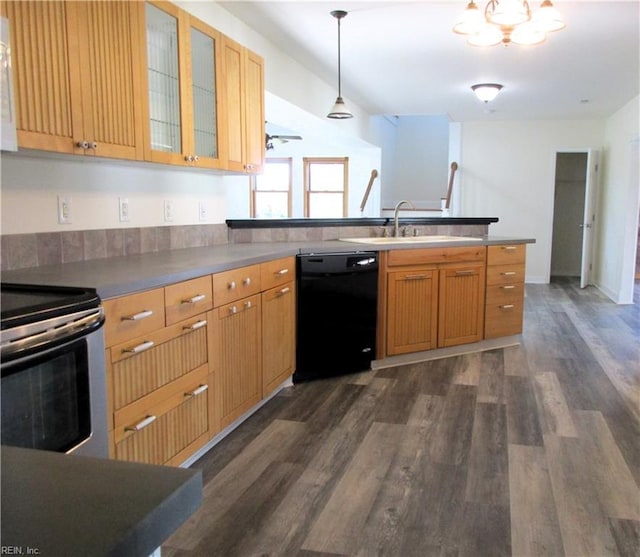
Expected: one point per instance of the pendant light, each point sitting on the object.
(339, 110)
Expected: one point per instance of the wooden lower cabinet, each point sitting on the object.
(278, 335)
(461, 304)
(412, 310)
(239, 357)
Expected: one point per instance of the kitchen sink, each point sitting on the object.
(410, 239)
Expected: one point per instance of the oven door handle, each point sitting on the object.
(51, 332)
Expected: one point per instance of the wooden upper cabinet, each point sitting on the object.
(182, 79)
(76, 77)
(244, 104)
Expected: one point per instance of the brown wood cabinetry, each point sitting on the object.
(278, 322)
(434, 298)
(505, 290)
(77, 77)
(160, 381)
(244, 83)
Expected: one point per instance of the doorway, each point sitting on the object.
(573, 216)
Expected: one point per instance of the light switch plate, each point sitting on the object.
(168, 210)
(123, 205)
(64, 209)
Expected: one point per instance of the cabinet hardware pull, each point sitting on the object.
(246, 281)
(188, 158)
(462, 273)
(231, 285)
(196, 158)
(197, 391)
(284, 290)
(195, 326)
(508, 287)
(282, 272)
(194, 299)
(509, 273)
(139, 348)
(93, 145)
(415, 277)
(509, 248)
(141, 424)
(83, 144)
(137, 316)
(507, 306)
(233, 309)
(247, 304)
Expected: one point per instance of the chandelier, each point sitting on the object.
(508, 21)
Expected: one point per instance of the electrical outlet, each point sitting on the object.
(168, 210)
(203, 213)
(123, 205)
(64, 209)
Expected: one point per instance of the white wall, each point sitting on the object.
(507, 170)
(618, 203)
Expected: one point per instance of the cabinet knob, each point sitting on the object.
(83, 144)
(233, 309)
(248, 304)
(247, 281)
(232, 285)
(188, 158)
(196, 158)
(93, 145)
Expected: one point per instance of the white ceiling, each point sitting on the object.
(401, 58)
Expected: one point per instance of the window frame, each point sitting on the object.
(253, 183)
(308, 162)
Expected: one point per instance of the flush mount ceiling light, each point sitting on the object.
(486, 91)
(339, 110)
(507, 21)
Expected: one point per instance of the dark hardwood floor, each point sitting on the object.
(528, 450)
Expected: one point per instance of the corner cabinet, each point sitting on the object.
(182, 78)
(245, 125)
(77, 77)
(434, 298)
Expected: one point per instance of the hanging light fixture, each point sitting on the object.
(339, 110)
(507, 21)
(486, 91)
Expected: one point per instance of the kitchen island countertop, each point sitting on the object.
(58, 504)
(118, 276)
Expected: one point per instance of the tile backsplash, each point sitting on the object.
(20, 251)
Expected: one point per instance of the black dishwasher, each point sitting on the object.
(336, 314)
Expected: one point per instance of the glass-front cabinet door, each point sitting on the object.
(181, 76)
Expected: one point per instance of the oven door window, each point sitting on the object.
(45, 399)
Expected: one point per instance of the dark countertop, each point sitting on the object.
(354, 221)
(63, 505)
(118, 276)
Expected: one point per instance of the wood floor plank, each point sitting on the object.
(491, 383)
(523, 425)
(555, 415)
(627, 536)
(339, 527)
(535, 531)
(466, 369)
(484, 530)
(487, 479)
(515, 361)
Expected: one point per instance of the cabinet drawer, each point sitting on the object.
(503, 319)
(156, 433)
(505, 293)
(504, 255)
(134, 315)
(505, 274)
(186, 299)
(142, 365)
(235, 284)
(435, 255)
(275, 273)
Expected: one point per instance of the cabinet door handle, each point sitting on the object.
(137, 316)
(509, 248)
(247, 281)
(195, 326)
(233, 309)
(141, 424)
(507, 306)
(508, 273)
(231, 285)
(83, 144)
(248, 304)
(463, 273)
(93, 145)
(196, 158)
(194, 299)
(201, 389)
(283, 291)
(281, 272)
(415, 277)
(139, 348)
(508, 287)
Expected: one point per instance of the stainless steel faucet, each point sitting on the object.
(395, 215)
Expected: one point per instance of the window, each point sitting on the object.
(271, 190)
(325, 187)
